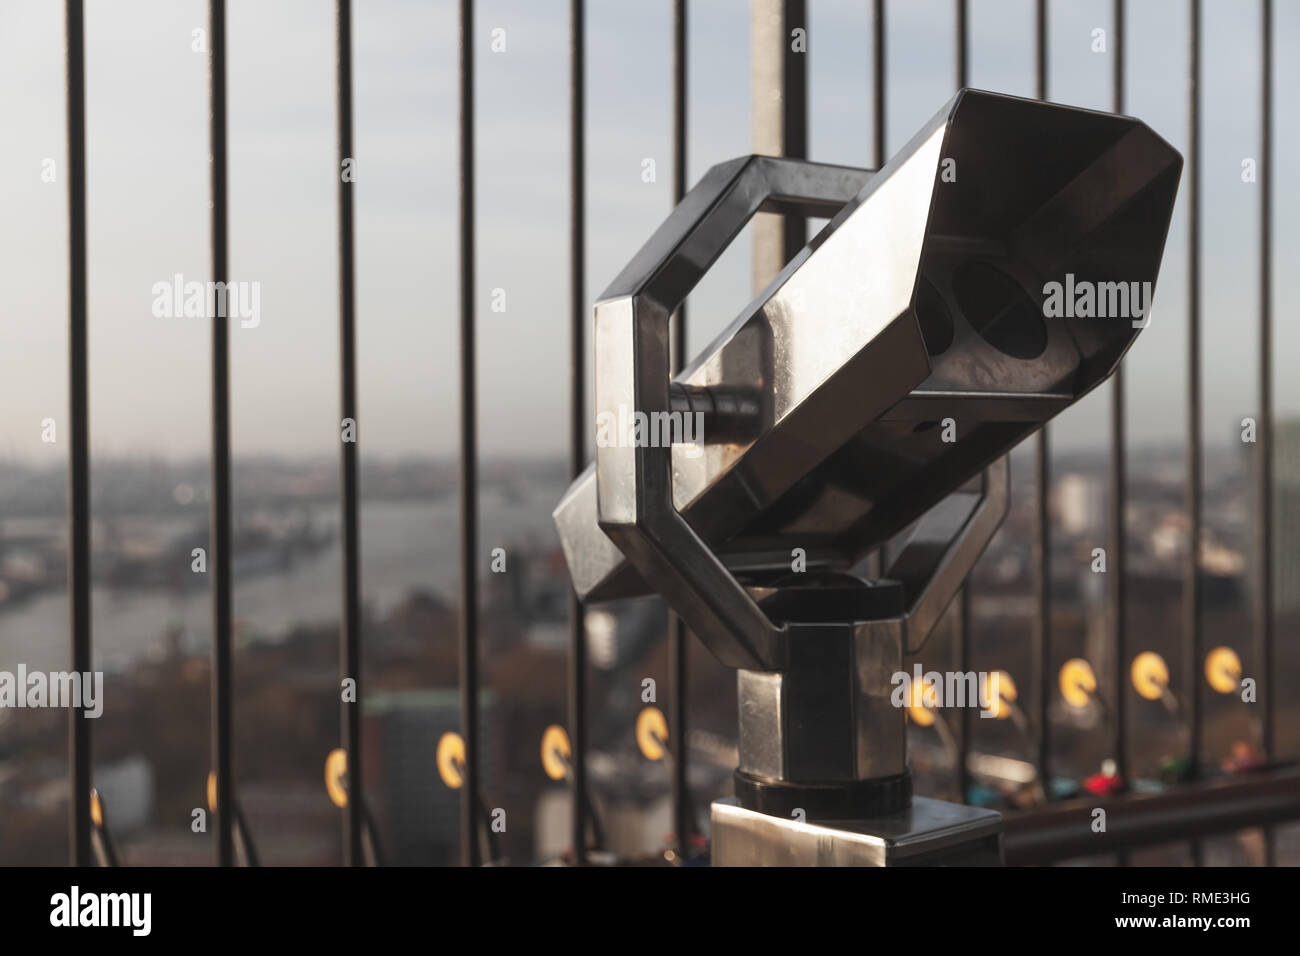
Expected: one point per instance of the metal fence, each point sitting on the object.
(1042, 835)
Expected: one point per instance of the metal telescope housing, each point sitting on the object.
(875, 385)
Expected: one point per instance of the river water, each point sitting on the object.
(405, 545)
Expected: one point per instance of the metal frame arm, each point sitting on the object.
(943, 549)
(633, 477)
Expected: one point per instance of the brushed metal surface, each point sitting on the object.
(930, 833)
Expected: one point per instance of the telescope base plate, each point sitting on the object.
(928, 833)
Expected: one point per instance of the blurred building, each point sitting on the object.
(1286, 554)
(418, 817)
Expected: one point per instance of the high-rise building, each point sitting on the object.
(419, 816)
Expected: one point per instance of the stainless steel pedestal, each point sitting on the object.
(929, 833)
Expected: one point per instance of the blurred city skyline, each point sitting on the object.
(148, 191)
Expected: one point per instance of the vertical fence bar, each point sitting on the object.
(877, 560)
(222, 657)
(963, 43)
(1192, 590)
(878, 81)
(79, 771)
(677, 635)
(780, 108)
(469, 689)
(1118, 567)
(1118, 564)
(1264, 426)
(350, 646)
(1041, 657)
(578, 401)
(964, 597)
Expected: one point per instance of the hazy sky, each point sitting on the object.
(148, 194)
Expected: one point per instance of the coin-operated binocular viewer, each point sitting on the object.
(990, 275)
